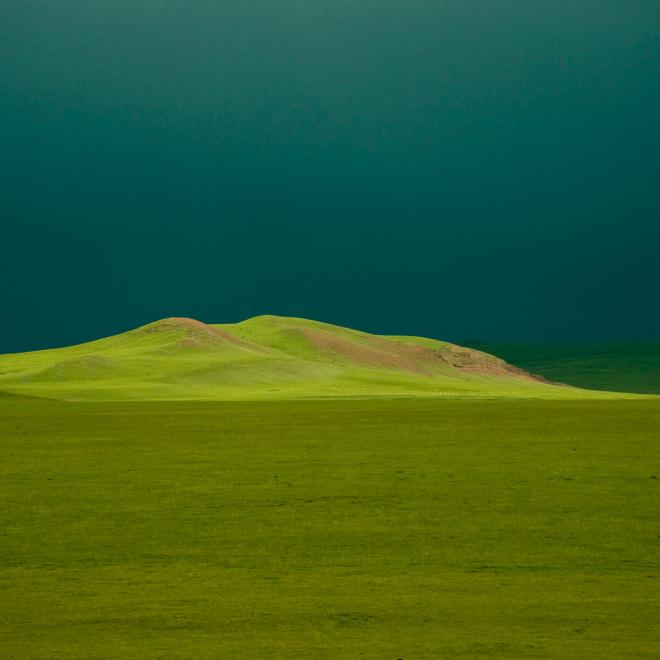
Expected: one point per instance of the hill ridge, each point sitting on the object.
(264, 356)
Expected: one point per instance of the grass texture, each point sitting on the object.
(331, 529)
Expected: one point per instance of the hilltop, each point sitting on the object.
(264, 357)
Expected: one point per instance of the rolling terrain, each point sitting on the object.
(265, 357)
(622, 367)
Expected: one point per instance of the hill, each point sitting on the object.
(263, 357)
(623, 367)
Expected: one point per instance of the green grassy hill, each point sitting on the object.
(263, 357)
(631, 367)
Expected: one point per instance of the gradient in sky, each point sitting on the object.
(456, 169)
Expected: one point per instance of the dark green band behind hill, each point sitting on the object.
(630, 367)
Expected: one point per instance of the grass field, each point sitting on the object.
(632, 367)
(330, 529)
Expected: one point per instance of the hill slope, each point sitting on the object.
(263, 357)
(627, 367)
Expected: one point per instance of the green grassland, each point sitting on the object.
(416, 528)
(284, 488)
(628, 367)
(266, 357)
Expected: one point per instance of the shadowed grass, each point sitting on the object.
(631, 367)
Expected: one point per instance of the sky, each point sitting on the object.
(457, 169)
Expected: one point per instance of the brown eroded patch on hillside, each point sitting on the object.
(189, 326)
(200, 334)
(471, 361)
(384, 354)
(424, 359)
(428, 359)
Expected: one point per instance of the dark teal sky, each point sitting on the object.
(458, 169)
